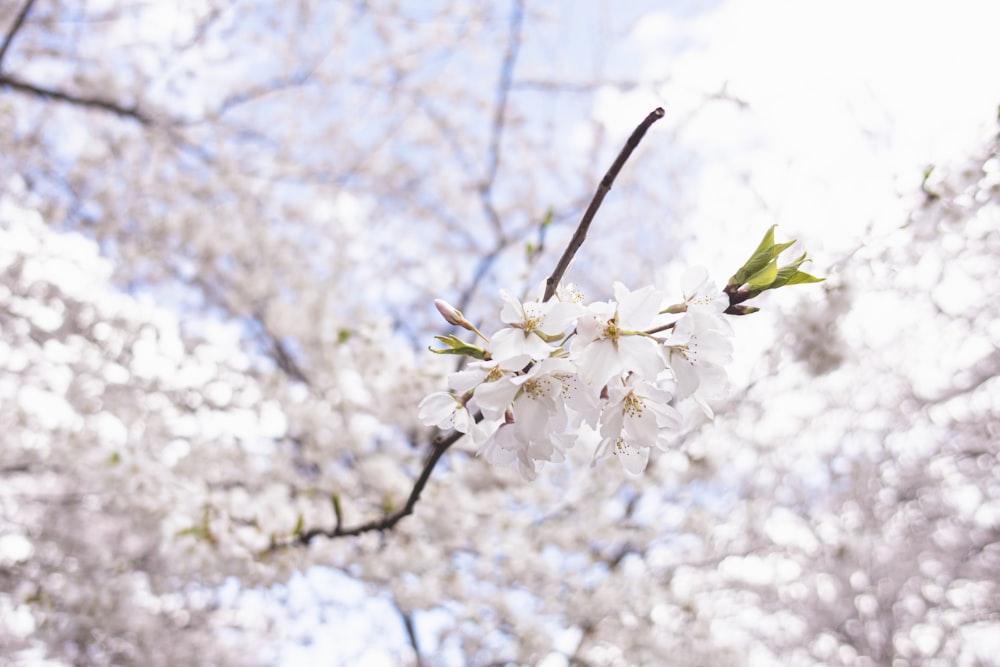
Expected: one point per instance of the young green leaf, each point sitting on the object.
(460, 347)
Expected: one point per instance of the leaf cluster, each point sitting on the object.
(761, 273)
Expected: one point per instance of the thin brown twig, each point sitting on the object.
(664, 327)
(602, 189)
(18, 22)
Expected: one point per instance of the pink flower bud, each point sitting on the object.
(451, 314)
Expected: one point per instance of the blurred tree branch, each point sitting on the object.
(18, 22)
(485, 188)
(130, 112)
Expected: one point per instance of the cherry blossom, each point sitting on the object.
(609, 336)
(637, 417)
(620, 375)
(701, 293)
(697, 351)
(446, 411)
(534, 325)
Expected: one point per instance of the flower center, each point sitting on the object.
(611, 330)
(534, 389)
(633, 405)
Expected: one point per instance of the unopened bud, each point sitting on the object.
(740, 309)
(451, 314)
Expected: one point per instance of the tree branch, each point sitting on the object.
(411, 632)
(18, 22)
(605, 186)
(388, 521)
(102, 104)
(443, 442)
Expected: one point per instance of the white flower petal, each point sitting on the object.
(633, 459)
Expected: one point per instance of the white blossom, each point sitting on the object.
(636, 417)
(696, 352)
(446, 411)
(534, 325)
(609, 342)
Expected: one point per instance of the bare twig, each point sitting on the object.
(70, 98)
(605, 186)
(18, 22)
(388, 521)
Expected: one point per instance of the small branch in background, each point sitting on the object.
(411, 633)
(285, 361)
(481, 268)
(595, 203)
(15, 469)
(18, 22)
(493, 151)
(500, 113)
(101, 104)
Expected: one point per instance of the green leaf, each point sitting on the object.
(761, 272)
(758, 265)
(801, 278)
(460, 347)
(299, 525)
(767, 241)
(547, 220)
(790, 274)
(763, 278)
(786, 272)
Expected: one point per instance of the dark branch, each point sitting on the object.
(70, 98)
(18, 22)
(388, 521)
(581, 231)
(411, 632)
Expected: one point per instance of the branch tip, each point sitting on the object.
(602, 189)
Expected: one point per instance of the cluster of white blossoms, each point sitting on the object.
(563, 367)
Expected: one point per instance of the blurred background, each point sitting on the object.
(222, 227)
